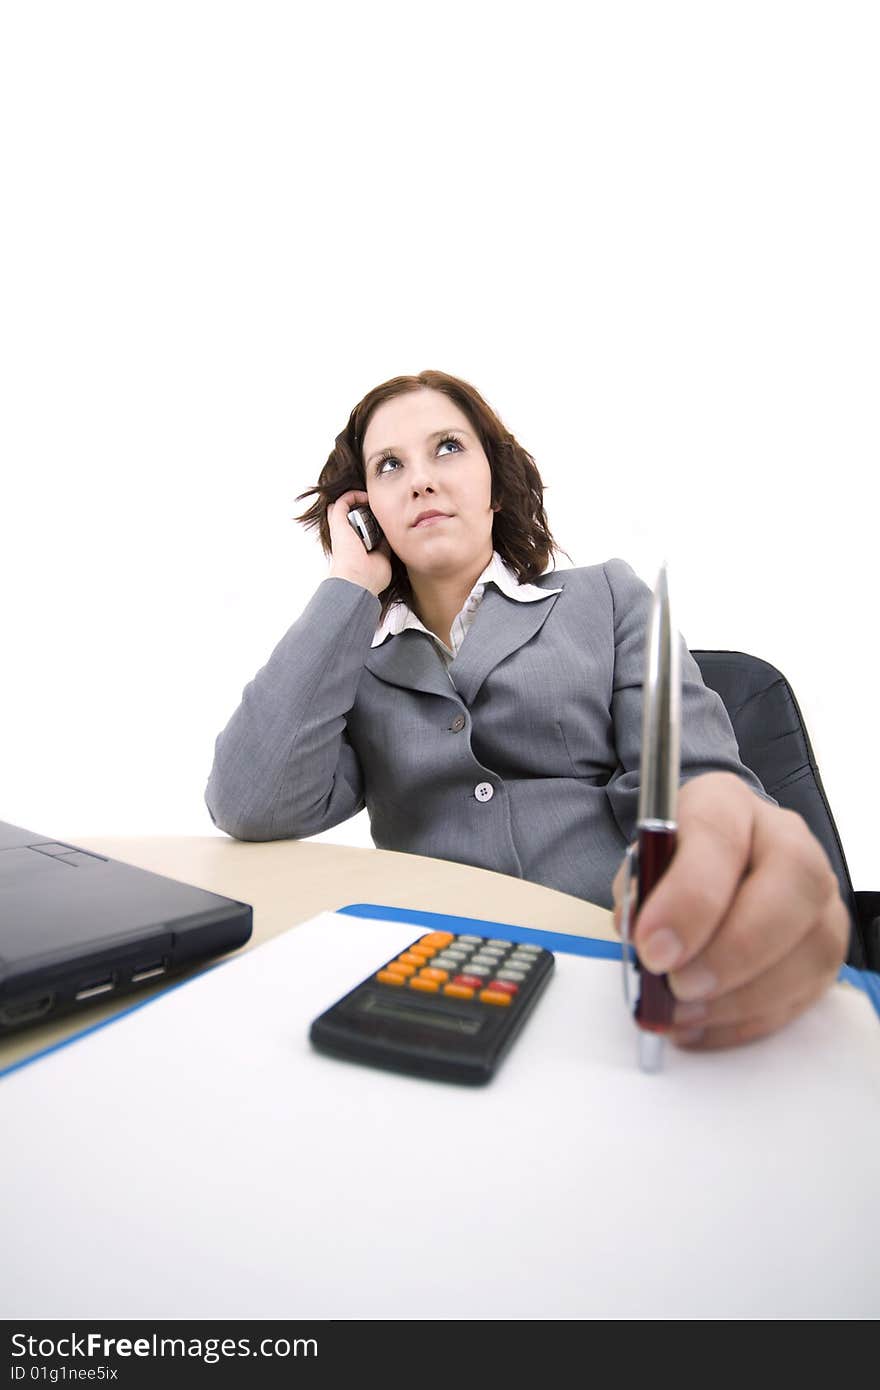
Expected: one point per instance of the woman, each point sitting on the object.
(515, 747)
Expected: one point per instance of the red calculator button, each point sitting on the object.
(431, 972)
(472, 981)
(505, 986)
(436, 939)
(418, 982)
(493, 996)
(388, 978)
(398, 968)
(458, 991)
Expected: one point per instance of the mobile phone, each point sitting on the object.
(362, 521)
(448, 1007)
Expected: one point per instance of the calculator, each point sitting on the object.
(447, 1007)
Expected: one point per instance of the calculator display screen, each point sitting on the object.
(427, 1017)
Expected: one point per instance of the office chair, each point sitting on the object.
(774, 743)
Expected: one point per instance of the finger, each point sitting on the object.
(349, 499)
(685, 908)
(785, 899)
(735, 1034)
(801, 975)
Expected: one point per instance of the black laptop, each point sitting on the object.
(77, 927)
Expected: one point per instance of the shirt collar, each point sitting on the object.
(400, 616)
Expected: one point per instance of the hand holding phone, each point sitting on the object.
(352, 558)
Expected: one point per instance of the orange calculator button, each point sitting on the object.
(459, 991)
(494, 996)
(431, 986)
(423, 952)
(409, 959)
(388, 978)
(436, 939)
(433, 972)
(398, 968)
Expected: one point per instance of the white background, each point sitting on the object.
(647, 233)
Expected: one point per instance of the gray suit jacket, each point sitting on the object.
(523, 757)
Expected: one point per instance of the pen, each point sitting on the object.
(650, 996)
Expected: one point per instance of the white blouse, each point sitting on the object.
(400, 616)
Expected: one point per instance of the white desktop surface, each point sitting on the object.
(196, 1158)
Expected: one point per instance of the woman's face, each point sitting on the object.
(412, 467)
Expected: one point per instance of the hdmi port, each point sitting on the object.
(92, 991)
(26, 1009)
(149, 972)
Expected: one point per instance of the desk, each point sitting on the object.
(289, 881)
(199, 1160)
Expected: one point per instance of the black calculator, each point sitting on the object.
(447, 1007)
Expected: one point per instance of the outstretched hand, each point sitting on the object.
(747, 920)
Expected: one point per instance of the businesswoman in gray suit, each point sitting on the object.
(487, 710)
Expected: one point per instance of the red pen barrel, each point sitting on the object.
(656, 1000)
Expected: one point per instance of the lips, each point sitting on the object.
(427, 517)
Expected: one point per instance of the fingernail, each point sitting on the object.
(694, 983)
(689, 1013)
(661, 950)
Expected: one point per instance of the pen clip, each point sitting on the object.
(631, 982)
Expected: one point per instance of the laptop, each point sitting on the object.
(76, 927)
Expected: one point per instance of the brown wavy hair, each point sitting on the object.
(520, 532)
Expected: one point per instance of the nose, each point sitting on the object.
(421, 478)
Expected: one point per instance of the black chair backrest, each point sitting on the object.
(773, 742)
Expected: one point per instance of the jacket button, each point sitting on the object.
(457, 724)
(484, 791)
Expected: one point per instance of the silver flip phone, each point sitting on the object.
(361, 519)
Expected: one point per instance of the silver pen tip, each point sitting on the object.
(651, 1050)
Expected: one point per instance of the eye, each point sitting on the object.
(388, 457)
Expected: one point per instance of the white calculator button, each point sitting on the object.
(512, 975)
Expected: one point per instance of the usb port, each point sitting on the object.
(92, 991)
(23, 1011)
(149, 972)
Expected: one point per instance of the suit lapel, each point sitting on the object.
(502, 625)
(412, 661)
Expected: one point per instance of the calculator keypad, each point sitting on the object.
(463, 967)
(440, 1009)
